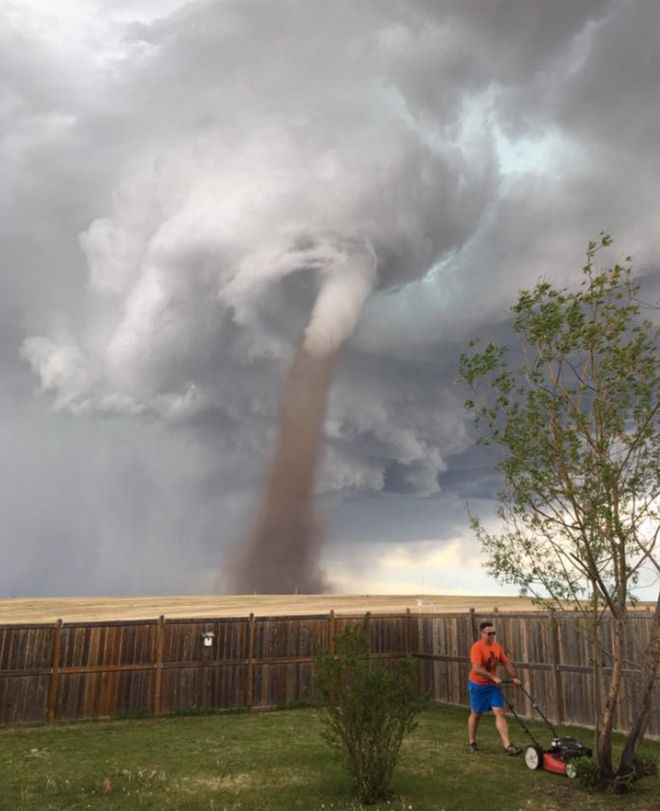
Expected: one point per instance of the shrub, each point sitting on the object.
(646, 764)
(367, 709)
(588, 773)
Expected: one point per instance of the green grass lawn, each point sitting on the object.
(275, 761)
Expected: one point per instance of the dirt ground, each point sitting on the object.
(73, 609)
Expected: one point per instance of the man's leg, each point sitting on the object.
(502, 726)
(473, 723)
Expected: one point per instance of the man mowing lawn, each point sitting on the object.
(484, 686)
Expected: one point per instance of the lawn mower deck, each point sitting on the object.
(560, 756)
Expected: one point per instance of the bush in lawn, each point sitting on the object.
(367, 709)
(646, 764)
(588, 773)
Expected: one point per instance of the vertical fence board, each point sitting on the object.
(24, 699)
(249, 700)
(158, 662)
(54, 668)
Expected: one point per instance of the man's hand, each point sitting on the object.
(515, 680)
(497, 680)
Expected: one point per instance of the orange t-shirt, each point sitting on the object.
(488, 657)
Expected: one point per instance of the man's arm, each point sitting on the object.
(511, 671)
(481, 671)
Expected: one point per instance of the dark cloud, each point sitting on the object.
(198, 147)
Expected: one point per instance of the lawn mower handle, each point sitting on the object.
(520, 721)
(534, 705)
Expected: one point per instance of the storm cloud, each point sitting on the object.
(183, 179)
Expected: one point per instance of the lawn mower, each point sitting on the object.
(559, 757)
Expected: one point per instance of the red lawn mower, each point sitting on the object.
(560, 756)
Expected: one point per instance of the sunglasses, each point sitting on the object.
(490, 633)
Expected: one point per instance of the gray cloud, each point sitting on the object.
(216, 160)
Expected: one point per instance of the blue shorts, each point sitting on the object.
(484, 697)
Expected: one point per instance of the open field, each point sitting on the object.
(277, 761)
(77, 609)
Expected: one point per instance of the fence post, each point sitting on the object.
(407, 632)
(249, 700)
(556, 672)
(158, 678)
(54, 669)
(473, 624)
(332, 630)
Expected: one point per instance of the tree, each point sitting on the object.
(367, 709)
(577, 417)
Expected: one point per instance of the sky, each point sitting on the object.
(165, 166)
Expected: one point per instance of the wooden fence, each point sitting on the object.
(86, 670)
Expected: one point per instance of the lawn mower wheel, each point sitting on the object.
(533, 757)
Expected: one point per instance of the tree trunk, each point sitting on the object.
(596, 664)
(650, 667)
(604, 751)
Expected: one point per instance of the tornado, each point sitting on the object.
(281, 554)
(282, 551)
